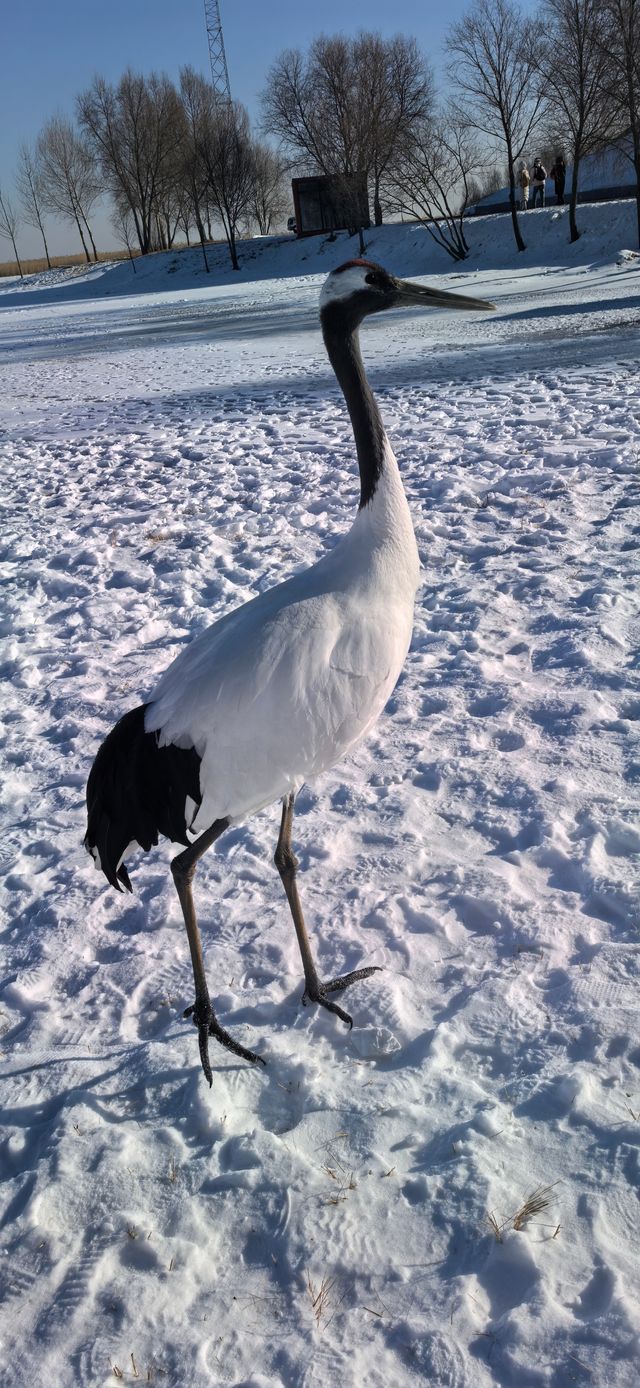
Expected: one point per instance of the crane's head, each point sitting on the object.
(360, 287)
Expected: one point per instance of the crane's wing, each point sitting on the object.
(275, 693)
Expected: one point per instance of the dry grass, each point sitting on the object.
(62, 262)
(344, 1180)
(633, 1113)
(152, 1370)
(495, 1227)
(321, 1299)
(534, 1204)
(337, 1168)
(58, 262)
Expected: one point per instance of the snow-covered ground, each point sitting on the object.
(169, 447)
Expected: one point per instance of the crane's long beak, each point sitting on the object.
(422, 296)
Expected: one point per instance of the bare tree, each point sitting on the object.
(288, 111)
(341, 123)
(490, 179)
(28, 184)
(394, 89)
(169, 211)
(68, 179)
(197, 99)
(227, 152)
(346, 107)
(432, 179)
(576, 66)
(269, 195)
(621, 39)
(134, 129)
(9, 227)
(496, 72)
(122, 223)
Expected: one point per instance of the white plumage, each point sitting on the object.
(279, 690)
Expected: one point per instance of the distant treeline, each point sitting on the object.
(181, 159)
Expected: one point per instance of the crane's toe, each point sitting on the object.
(206, 1021)
(317, 992)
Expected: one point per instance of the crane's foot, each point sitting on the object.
(317, 992)
(205, 1020)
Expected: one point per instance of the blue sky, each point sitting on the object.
(50, 50)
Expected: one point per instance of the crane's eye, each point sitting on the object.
(377, 280)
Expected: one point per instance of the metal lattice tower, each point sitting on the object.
(217, 55)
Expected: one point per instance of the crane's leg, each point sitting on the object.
(183, 868)
(287, 865)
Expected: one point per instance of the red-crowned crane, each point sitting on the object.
(280, 689)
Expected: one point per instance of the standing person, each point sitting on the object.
(559, 174)
(538, 181)
(523, 184)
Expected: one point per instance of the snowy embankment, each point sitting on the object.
(165, 455)
(405, 249)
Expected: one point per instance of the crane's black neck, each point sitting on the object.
(340, 332)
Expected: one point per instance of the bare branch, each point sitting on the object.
(576, 65)
(432, 179)
(31, 193)
(67, 176)
(134, 130)
(9, 227)
(496, 72)
(348, 105)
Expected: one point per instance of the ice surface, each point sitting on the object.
(169, 448)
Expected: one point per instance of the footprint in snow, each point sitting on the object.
(433, 1358)
(597, 1296)
(510, 1276)
(508, 741)
(373, 1043)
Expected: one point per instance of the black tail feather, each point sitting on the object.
(123, 876)
(136, 791)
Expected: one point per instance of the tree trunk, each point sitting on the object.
(636, 164)
(634, 123)
(138, 227)
(146, 232)
(574, 234)
(514, 210)
(93, 244)
(84, 244)
(44, 242)
(199, 224)
(230, 233)
(15, 252)
(377, 205)
(204, 253)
